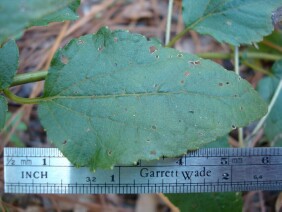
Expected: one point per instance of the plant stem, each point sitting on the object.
(243, 55)
(177, 37)
(20, 79)
(256, 68)
(272, 45)
(270, 106)
(237, 71)
(236, 60)
(168, 23)
(21, 100)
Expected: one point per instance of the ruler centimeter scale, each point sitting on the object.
(46, 170)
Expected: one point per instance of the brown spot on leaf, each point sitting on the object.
(65, 142)
(220, 84)
(101, 48)
(152, 49)
(64, 59)
(182, 81)
(154, 127)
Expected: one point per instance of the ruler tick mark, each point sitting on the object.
(35, 170)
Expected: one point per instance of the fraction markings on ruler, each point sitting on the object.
(46, 170)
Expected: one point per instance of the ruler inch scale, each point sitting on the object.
(47, 171)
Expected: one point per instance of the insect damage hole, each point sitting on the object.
(80, 42)
(229, 23)
(109, 152)
(196, 62)
(233, 127)
(155, 85)
(101, 48)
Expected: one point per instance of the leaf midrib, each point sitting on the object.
(143, 94)
(212, 13)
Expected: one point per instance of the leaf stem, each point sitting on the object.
(20, 79)
(177, 37)
(256, 68)
(237, 71)
(168, 23)
(21, 100)
(243, 55)
(236, 60)
(272, 45)
(270, 106)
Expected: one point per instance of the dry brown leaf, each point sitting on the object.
(138, 11)
(278, 204)
(146, 202)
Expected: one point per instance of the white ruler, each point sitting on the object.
(46, 170)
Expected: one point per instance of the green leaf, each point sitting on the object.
(212, 202)
(220, 142)
(9, 56)
(232, 21)
(3, 111)
(68, 13)
(277, 69)
(114, 97)
(271, 44)
(32, 12)
(273, 123)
